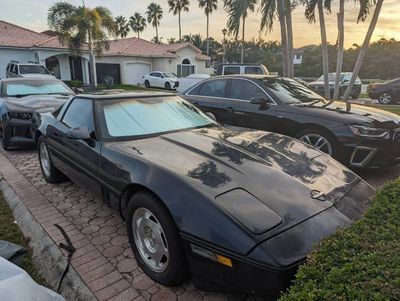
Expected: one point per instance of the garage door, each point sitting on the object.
(104, 70)
(134, 72)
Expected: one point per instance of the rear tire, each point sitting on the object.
(152, 231)
(167, 86)
(147, 83)
(50, 173)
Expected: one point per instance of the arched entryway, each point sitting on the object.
(53, 65)
(185, 68)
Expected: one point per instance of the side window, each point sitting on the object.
(253, 70)
(245, 90)
(153, 74)
(213, 88)
(12, 68)
(231, 70)
(16, 69)
(80, 114)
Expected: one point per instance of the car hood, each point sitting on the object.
(358, 114)
(279, 171)
(36, 75)
(32, 103)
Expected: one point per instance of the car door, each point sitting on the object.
(210, 96)
(158, 80)
(246, 114)
(78, 159)
(395, 87)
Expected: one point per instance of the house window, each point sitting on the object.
(185, 69)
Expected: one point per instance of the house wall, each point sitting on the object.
(190, 54)
(13, 54)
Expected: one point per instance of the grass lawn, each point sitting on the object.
(9, 231)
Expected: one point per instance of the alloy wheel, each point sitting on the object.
(319, 142)
(385, 98)
(150, 240)
(45, 159)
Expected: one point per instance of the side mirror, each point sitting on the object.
(258, 100)
(81, 133)
(211, 115)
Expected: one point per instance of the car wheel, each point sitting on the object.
(155, 241)
(167, 86)
(385, 98)
(50, 173)
(4, 138)
(147, 83)
(319, 140)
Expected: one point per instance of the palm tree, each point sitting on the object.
(209, 6)
(288, 6)
(78, 25)
(237, 11)
(364, 47)
(137, 23)
(122, 26)
(154, 15)
(270, 9)
(176, 6)
(311, 6)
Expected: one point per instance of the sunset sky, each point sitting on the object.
(33, 14)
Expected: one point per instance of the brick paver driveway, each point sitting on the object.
(103, 258)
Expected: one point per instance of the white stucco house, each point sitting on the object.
(127, 60)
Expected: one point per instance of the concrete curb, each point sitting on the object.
(47, 257)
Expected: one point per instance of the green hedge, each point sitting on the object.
(361, 262)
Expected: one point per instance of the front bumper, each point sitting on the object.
(18, 132)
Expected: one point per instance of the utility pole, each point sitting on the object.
(224, 32)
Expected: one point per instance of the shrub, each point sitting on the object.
(76, 83)
(361, 262)
(108, 81)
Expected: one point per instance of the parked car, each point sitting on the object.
(385, 93)
(361, 137)
(19, 98)
(189, 81)
(16, 69)
(231, 69)
(318, 85)
(234, 211)
(159, 79)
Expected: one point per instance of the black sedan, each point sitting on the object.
(19, 98)
(361, 137)
(385, 93)
(236, 212)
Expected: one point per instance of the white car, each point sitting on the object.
(189, 81)
(160, 79)
(16, 69)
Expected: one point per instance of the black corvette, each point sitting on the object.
(236, 212)
(361, 137)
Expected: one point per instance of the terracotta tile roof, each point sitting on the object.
(143, 48)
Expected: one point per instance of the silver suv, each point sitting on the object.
(16, 69)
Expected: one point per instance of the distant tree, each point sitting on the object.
(171, 40)
(157, 40)
(209, 6)
(122, 26)
(154, 15)
(78, 25)
(176, 7)
(238, 11)
(137, 23)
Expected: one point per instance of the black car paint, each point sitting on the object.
(291, 119)
(391, 87)
(188, 170)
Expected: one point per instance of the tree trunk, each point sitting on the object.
(208, 39)
(339, 63)
(243, 28)
(92, 60)
(324, 45)
(363, 52)
(180, 33)
(281, 13)
(158, 41)
(289, 28)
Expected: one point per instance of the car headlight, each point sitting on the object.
(366, 131)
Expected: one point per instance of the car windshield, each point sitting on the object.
(290, 91)
(148, 116)
(332, 77)
(169, 75)
(32, 69)
(35, 87)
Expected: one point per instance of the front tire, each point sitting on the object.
(155, 241)
(385, 98)
(50, 173)
(167, 86)
(319, 140)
